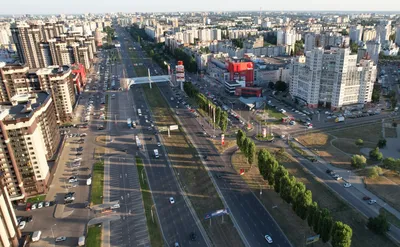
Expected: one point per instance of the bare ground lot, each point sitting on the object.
(295, 228)
(191, 173)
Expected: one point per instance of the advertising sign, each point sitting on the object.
(241, 171)
(216, 213)
(264, 132)
(173, 127)
(222, 139)
(312, 239)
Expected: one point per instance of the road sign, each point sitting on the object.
(222, 139)
(173, 127)
(241, 171)
(216, 213)
(312, 239)
(162, 129)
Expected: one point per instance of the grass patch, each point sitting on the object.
(390, 132)
(222, 148)
(93, 238)
(274, 113)
(348, 146)
(97, 183)
(390, 217)
(99, 152)
(374, 132)
(193, 176)
(141, 71)
(295, 228)
(154, 229)
(35, 199)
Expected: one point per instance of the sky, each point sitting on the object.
(18, 7)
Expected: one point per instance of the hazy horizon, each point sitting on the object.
(46, 7)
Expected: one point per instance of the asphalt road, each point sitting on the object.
(177, 221)
(252, 218)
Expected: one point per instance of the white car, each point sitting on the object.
(83, 134)
(158, 144)
(171, 200)
(72, 179)
(40, 205)
(268, 238)
(338, 178)
(347, 185)
(115, 206)
(22, 225)
(370, 202)
(60, 239)
(34, 206)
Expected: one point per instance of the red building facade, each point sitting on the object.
(241, 71)
(79, 76)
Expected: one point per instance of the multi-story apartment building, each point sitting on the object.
(58, 81)
(369, 34)
(9, 231)
(29, 137)
(5, 34)
(40, 46)
(356, 33)
(18, 79)
(332, 78)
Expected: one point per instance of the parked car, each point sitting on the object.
(72, 179)
(40, 205)
(22, 225)
(34, 206)
(61, 239)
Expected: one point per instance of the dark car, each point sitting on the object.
(366, 198)
(193, 236)
(27, 219)
(329, 171)
(218, 175)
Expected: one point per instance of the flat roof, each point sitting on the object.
(15, 112)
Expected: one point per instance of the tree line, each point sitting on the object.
(296, 194)
(213, 111)
(246, 146)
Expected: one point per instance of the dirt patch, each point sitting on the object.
(314, 139)
(222, 148)
(101, 140)
(291, 224)
(386, 188)
(348, 145)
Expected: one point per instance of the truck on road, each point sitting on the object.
(339, 119)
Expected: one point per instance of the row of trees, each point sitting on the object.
(213, 111)
(246, 145)
(295, 193)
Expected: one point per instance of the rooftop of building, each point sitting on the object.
(54, 70)
(23, 105)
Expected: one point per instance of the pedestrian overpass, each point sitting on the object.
(126, 83)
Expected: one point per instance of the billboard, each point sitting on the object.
(180, 72)
(222, 139)
(216, 213)
(173, 127)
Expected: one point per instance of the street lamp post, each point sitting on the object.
(52, 233)
(152, 215)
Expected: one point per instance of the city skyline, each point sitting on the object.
(90, 6)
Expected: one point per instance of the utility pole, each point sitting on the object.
(148, 73)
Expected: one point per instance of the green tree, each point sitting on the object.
(262, 165)
(280, 86)
(302, 202)
(280, 172)
(378, 224)
(316, 221)
(375, 154)
(312, 210)
(218, 112)
(359, 142)
(358, 161)
(287, 184)
(224, 121)
(354, 47)
(251, 152)
(374, 172)
(245, 147)
(271, 85)
(297, 189)
(272, 167)
(392, 164)
(326, 226)
(240, 136)
(381, 143)
(376, 93)
(341, 235)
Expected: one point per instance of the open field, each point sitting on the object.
(152, 222)
(96, 196)
(191, 173)
(295, 228)
(386, 187)
(359, 132)
(93, 238)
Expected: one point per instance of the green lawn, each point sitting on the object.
(154, 229)
(140, 71)
(93, 238)
(97, 183)
(39, 198)
(274, 113)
